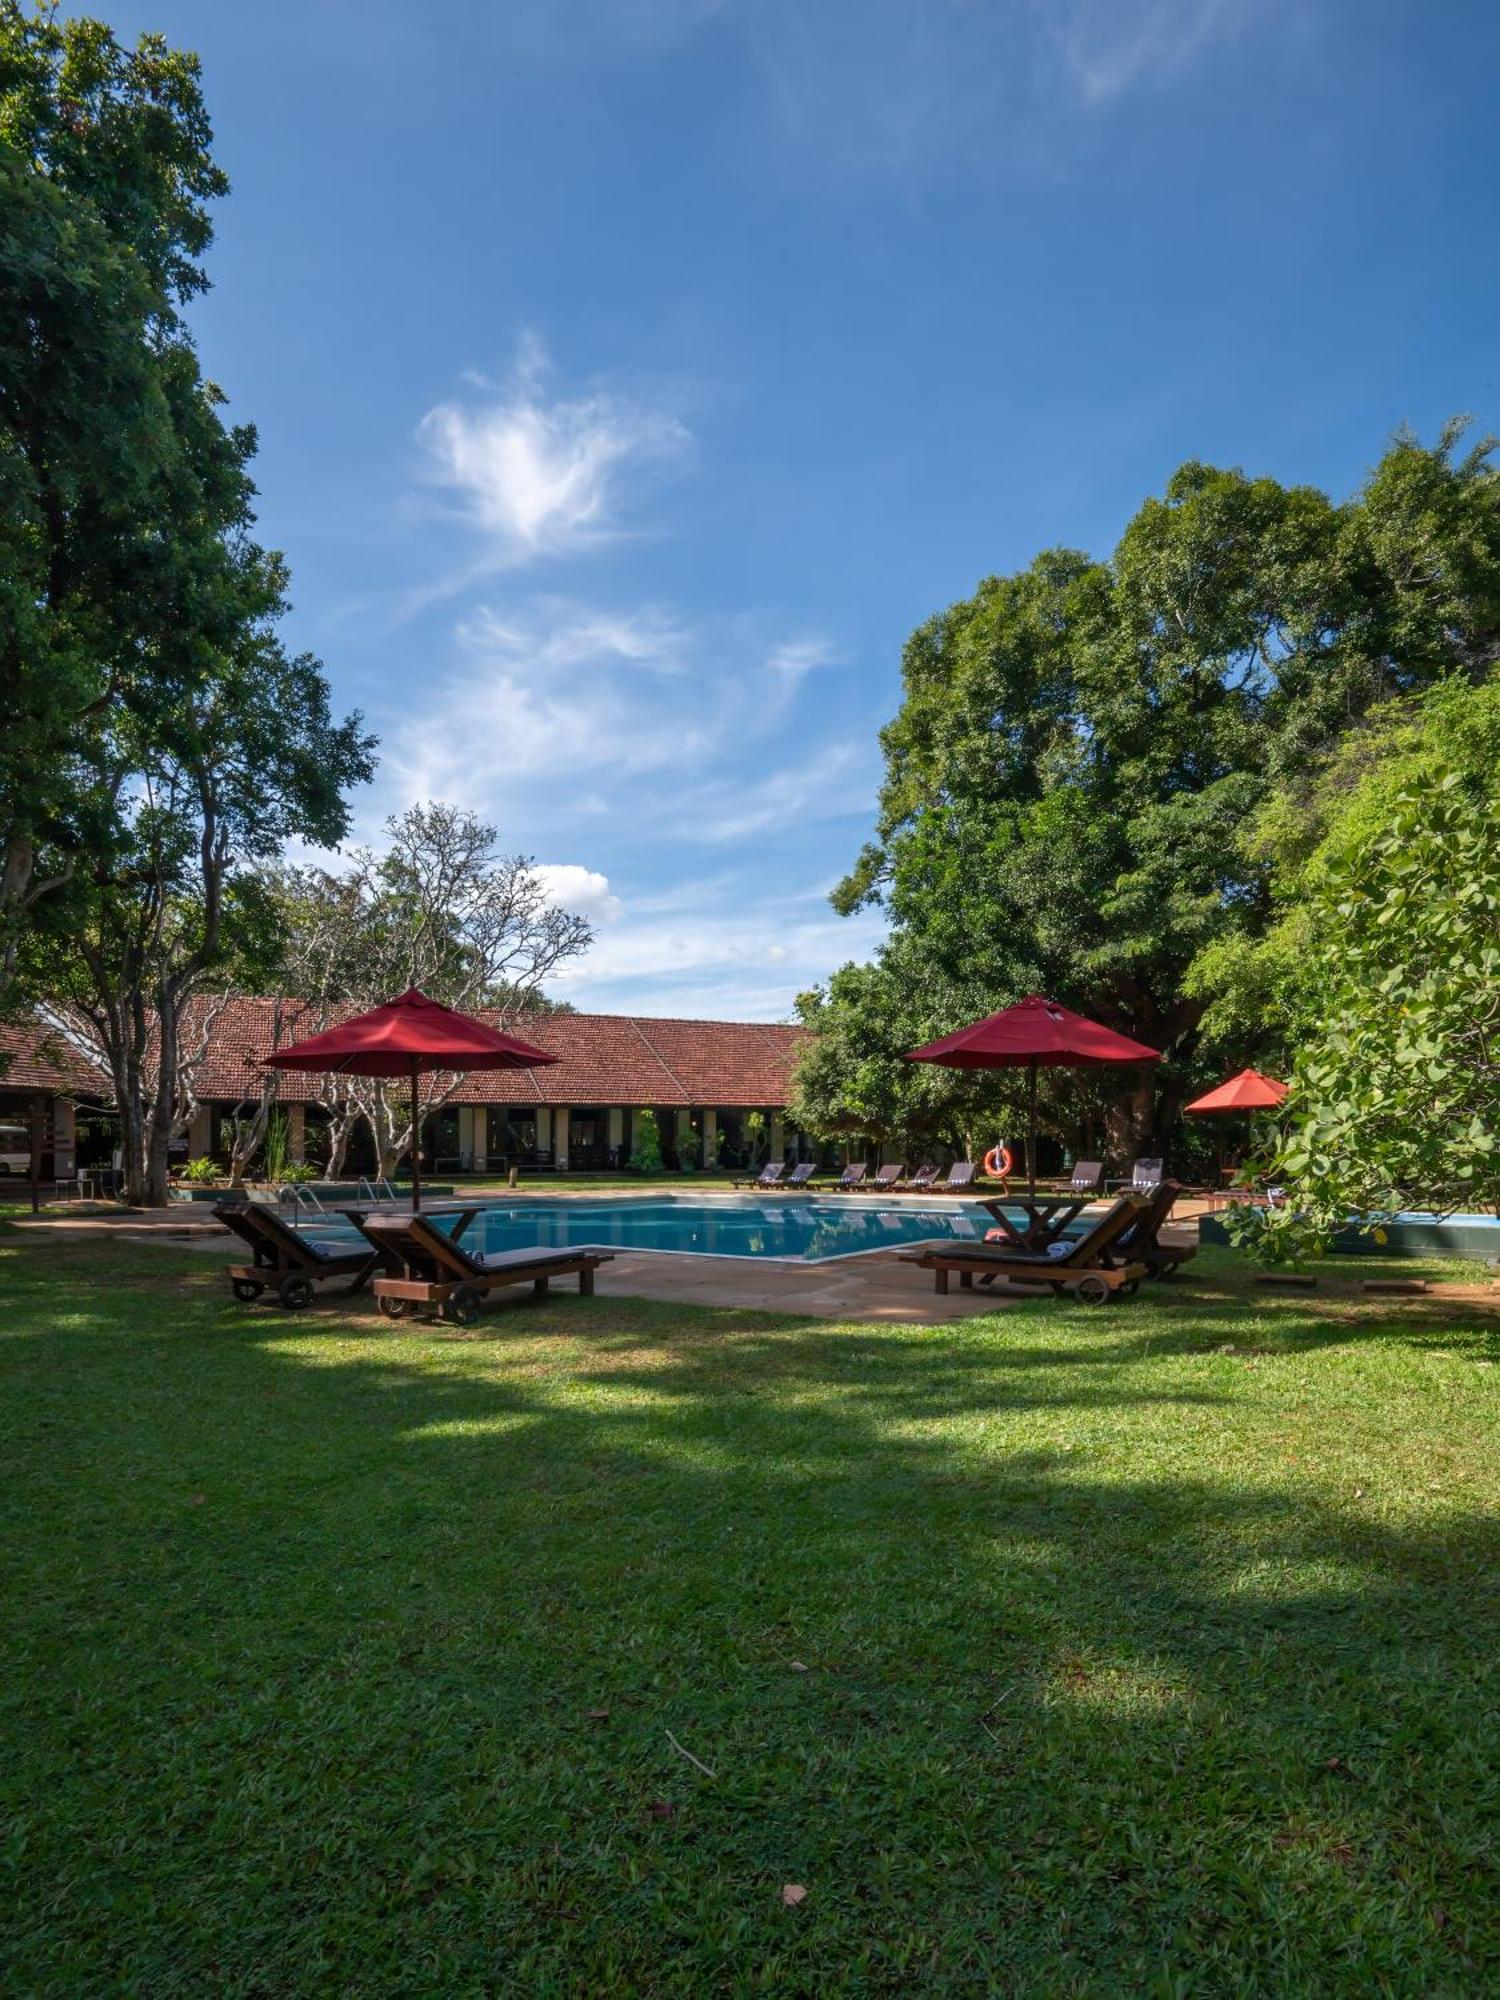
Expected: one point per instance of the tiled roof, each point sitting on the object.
(42, 1059)
(604, 1059)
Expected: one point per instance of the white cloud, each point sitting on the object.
(584, 891)
(835, 782)
(560, 715)
(709, 951)
(541, 475)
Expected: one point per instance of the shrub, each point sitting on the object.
(645, 1157)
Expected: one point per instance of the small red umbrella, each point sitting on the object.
(1249, 1091)
(406, 1037)
(1033, 1034)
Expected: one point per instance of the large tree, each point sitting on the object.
(1082, 745)
(114, 469)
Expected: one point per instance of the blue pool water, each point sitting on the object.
(807, 1231)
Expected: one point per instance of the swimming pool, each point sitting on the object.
(798, 1231)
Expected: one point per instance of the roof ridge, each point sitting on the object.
(658, 1057)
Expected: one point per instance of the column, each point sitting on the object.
(296, 1133)
(544, 1129)
(561, 1120)
(201, 1132)
(684, 1142)
(481, 1139)
(710, 1138)
(615, 1136)
(778, 1137)
(64, 1138)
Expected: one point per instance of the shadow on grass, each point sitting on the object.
(346, 1659)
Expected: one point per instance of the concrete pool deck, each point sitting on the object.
(876, 1287)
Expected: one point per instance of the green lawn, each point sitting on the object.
(1142, 1651)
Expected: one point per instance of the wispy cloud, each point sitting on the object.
(559, 714)
(709, 950)
(1111, 46)
(538, 474)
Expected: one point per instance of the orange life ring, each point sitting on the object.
(998, 1163)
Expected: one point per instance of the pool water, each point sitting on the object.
(808, 1232)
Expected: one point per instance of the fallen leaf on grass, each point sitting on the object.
(793, 1893)
(598, 1715)
(798, 1666)
(662, 1809)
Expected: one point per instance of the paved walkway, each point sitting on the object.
(876, 1287)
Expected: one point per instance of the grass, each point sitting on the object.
(1054, 1652)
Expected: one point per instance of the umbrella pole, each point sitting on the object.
(416, 1141)
(1031, 1141)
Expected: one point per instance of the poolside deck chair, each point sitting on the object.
(1085, 1267)
(445, 1277)
(1146, 1175)
(800, 1177)
(922, 1178)
(888, 1177)
(1140, 1243)
(1088, 1177)
(769, 1176)
(960, 1175)
(284, 1259)
(853, 1176)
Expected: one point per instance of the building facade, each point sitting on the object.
(717, 1090)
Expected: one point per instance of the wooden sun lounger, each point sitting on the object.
(853, 1176)
(769, 1176)
(960, 1175)
(1086, 1268)
(445, 1277)
(924, 1177)
(1087, 1177)
(284, 1259)
(888, 1178)
(800, 1177)
(1141, 1242)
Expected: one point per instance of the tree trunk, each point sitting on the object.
(342, 1119)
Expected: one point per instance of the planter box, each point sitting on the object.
(1408, 1236)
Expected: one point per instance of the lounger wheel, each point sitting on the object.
(246, 1288)
(1093, 1290)
(394, 1308)
(462, 1306)
(295, 1292)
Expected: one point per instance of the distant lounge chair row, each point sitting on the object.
(888, 1180)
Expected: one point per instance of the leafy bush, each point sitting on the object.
(202, 1171)
(645, 1156)
(1394, 1102)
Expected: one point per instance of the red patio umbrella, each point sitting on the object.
(1249, 1091)
(406, 1037)
(1033, 1034)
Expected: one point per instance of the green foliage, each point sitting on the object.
(202, 1171)
(645, 1152)
(116, 475)
(276, 1150)
(1083, 747)
(1394, 999)
(159, 740)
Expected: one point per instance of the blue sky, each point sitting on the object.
(633, 375)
